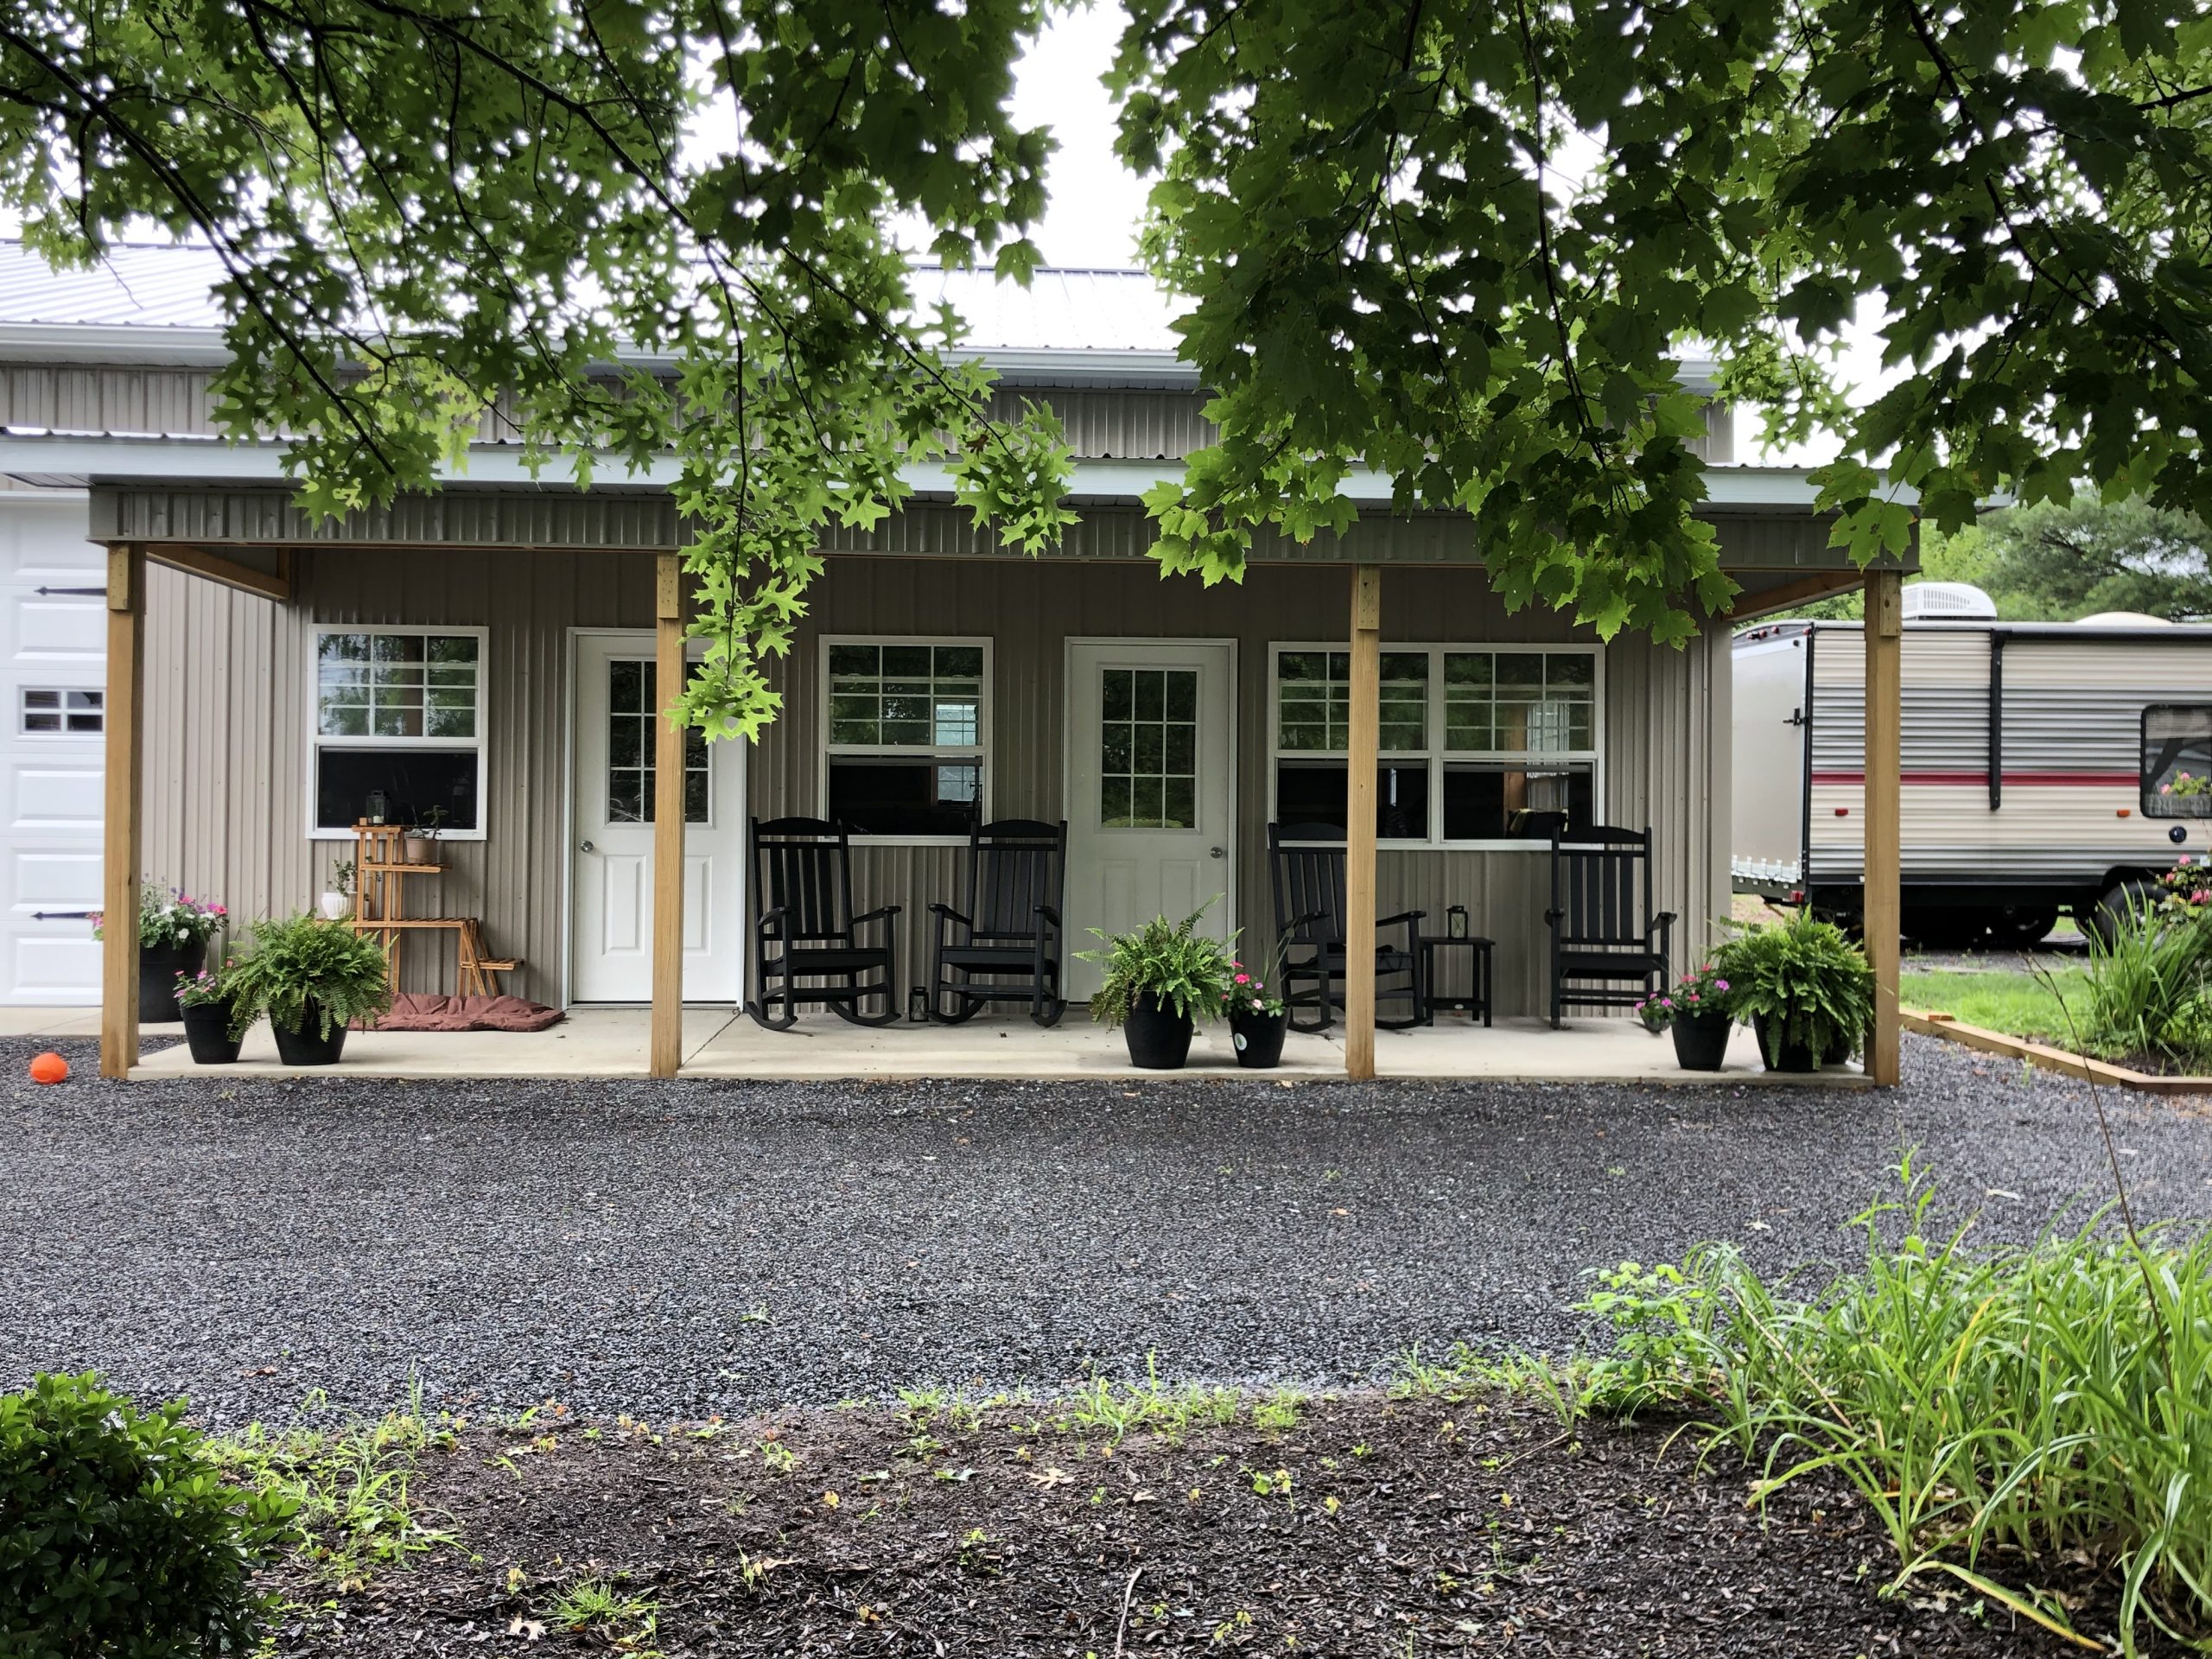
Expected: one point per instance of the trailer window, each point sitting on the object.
(2177, 760)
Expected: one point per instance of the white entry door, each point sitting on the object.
(617, 710)
(1150, 757)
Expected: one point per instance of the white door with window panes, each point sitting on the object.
(1150, 757)
(610, 862)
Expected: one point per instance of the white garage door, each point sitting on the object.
(52, 671)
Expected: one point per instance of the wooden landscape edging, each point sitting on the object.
(2049, 1059)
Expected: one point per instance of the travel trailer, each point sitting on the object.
(2048, 768)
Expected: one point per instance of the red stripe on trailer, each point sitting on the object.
(2026, 779)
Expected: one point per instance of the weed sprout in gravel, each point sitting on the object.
(1997, 1409)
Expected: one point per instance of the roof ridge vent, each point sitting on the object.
(1946, 602)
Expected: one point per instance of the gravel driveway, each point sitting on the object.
(701, 1246)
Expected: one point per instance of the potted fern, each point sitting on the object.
(313, 978)
(1159, 979)
(1805, 987)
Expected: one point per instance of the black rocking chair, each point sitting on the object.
(1603, 935)
(1010, 930)
(1309, 883)
(805, 871)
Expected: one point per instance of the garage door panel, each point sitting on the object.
(54, 971)
(54, 631)
(49, 796)
(36, 879)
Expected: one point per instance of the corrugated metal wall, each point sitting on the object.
(226, 736)
(1663, 766)
(228, 702)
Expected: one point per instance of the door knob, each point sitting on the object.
(1217, 852)
(589, 847)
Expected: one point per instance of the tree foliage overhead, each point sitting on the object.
(1457, 244)
(425, 209)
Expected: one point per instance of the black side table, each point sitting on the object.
(1476, 1001)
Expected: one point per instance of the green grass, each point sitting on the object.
(2001, 1411)
(2010, 1001)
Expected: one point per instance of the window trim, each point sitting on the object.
(824, 750)
(480, 743)
(1435, 757)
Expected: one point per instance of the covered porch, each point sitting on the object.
(714, 1043)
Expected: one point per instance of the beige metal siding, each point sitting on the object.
(226, 739)
(1662, 764)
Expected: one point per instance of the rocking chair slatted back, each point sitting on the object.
(1309, 881)
(805, 869)
(1601, 886)
(1015, 868)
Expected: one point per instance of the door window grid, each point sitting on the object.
(633, 750)
(1521, 725)
(57, 711)
(1147, 749)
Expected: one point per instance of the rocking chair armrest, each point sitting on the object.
(1403, 916)
(944, 911)
(1308, 919)
(1663, 923)
(1049, 914)
(769, 924)
(882, 914)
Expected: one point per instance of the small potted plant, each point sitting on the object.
(313, 978)
(420, 844)
(1806, 988)
(1158, 980)
(204, 999)
(1698, 1011)
(335, 904)
(1257, 1019)
(174, 929)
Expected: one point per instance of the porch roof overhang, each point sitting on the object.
(160, 490)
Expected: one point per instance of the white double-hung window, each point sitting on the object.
(397, 735)
(1479, 744)
(907, 736)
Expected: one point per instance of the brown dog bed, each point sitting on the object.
(421, 1011)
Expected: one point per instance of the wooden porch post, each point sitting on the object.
(125, 759)
(667, 1054)
(1362, 753)
(1881, 911)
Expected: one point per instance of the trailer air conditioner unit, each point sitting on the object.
(1947, 601)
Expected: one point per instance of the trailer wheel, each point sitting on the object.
(2120, 900)
(2016, 927)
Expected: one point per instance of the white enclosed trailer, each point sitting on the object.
(2047, 767)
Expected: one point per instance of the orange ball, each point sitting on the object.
(49, 1067)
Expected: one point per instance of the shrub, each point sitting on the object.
(2054, 1401)
(290, 964)
(1809, 981)
(116, 1536)
(1183, 969)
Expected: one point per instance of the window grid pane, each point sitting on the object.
(1147, 749)
(631, 735)
(906, 696)
(396, 685)
(1515, 702)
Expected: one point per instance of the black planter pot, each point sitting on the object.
(1701, 1041)
(308, 1045)
(1258, 1039)
(1159, 1039)
(207, 1033)
(157, 972)
(1796, 1055)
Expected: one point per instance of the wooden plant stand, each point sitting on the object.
(381, 874)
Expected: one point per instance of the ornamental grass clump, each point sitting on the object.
(2007, 1414)
(2149, 990)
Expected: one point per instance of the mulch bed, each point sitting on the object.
(1370, 1527)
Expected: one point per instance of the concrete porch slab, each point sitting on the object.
(50, 1022)
(611, 1043)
